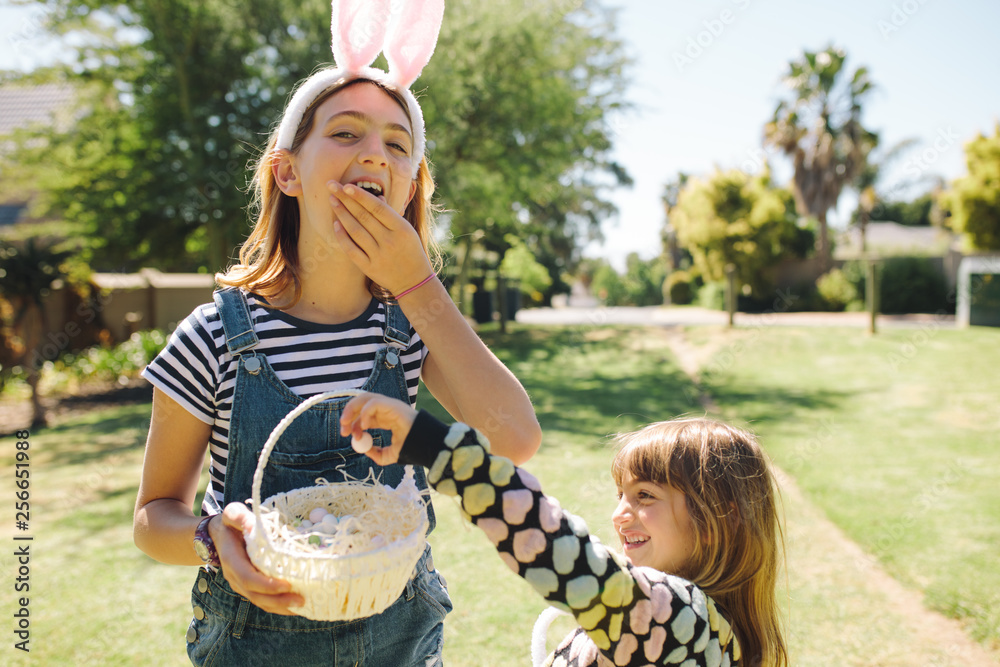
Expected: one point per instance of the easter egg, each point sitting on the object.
(317, 515)
(362, 444)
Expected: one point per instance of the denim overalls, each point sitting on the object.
(227, 629)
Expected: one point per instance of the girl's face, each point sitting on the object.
(653, 524)
(360, 136)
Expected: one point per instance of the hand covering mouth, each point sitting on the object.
(371, 187)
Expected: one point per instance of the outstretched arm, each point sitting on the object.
(635, 616)
(461, 372)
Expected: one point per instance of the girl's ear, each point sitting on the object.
(413, 191)
(286, 176)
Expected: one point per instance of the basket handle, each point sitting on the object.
(258, 475)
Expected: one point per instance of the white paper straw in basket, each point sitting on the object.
(258, 475)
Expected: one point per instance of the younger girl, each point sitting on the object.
(696, 518)
(343, 193)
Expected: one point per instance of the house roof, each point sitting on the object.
(21, 106)
(894, 238)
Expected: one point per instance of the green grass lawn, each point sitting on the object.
(896, 437)
(902, 455)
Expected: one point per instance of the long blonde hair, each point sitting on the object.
(731, 498)
(269, 261)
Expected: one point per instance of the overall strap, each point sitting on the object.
(235, 314)
(396, 326)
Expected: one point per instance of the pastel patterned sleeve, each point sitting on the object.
(628, 616)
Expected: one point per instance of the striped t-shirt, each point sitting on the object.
(197, 370)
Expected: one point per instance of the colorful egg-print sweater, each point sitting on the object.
(627, 615)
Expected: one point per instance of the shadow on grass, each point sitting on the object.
(584, 379)
(97, 435)
(762, 404)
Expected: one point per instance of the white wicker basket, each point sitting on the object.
(337, 586)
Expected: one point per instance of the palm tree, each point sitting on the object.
(820, 129)
(27, 272)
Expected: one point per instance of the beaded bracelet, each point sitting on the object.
(418, 285)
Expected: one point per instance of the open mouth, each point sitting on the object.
(371, 188)
(634, 541)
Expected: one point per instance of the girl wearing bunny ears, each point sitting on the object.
(334, 290)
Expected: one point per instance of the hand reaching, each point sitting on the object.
(369, 411)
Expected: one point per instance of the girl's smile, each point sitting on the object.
(653, 524)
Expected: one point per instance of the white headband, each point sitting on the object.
(405, 30)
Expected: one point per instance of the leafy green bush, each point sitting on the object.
(677, 288)
(712, 295)
(640, 286)
(607, 286)
(110, 364)
(838, 292)
(906, 285)
(911, 285)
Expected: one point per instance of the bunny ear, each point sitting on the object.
(358, 28)
(413, 33)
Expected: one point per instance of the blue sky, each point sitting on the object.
(707, 78)
(936, 64)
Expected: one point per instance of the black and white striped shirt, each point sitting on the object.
(197, 370)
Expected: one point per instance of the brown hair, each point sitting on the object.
(731, 498)
(269, 261)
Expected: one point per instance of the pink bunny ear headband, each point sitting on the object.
(405, 30)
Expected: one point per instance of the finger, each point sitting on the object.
(238, 520)
(370, 211)
(352, 230)
(277, 604)
(352, 410)
(241, 572)
(375, 414)
(353, 251)
(268, 593)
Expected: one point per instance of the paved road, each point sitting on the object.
(689, 315)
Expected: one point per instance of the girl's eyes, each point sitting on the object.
(639, 495)
(394, 145)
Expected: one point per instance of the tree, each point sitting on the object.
(28, 271)
(520, 265)
(668, 236)
(175, 97)
(819, 128)
(733, 218)
(640, 285)
(519, 100)
(974, 199)
(178, 95)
